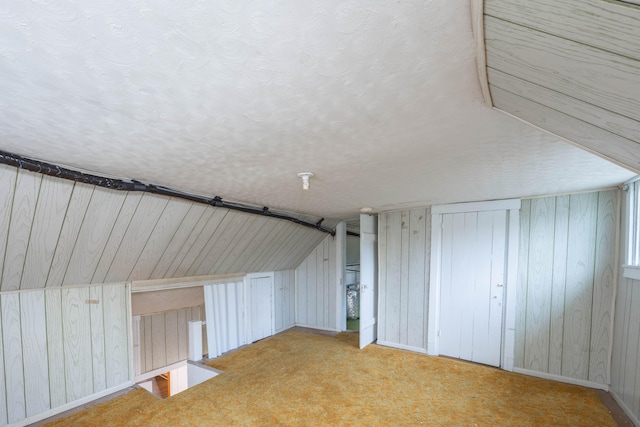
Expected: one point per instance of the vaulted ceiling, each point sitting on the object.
(381, 100)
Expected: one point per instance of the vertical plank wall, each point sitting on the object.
(565, 285)
(55, 232)
(403, 255)
(61, 345)
(163, 338)
(285, 291)
(625, 359)
(316, 287)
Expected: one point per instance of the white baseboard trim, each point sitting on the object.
(546, 376)
(55, 411)
(625, 408)
(401, 346)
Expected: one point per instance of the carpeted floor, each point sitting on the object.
(297, 378)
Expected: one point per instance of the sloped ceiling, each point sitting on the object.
(379, 99)
(571, 67)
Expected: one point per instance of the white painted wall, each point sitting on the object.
(316, 288)
(625, 359)
(404, 256)
(61, 347)
(566, 286)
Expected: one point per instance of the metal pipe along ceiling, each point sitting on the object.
(118, 184)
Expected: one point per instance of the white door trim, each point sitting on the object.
(512, 207)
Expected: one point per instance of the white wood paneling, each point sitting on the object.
(77, 343)
(543, 59)
(567, 259)
(80, 199)
(284, 282)
(52, 205)
(316, 287)
(100, 217)
(3, 386)
(22, 214)
(13, 357)
(608, 25)
(34, 348)
(57, 233)
(569, 67)
(163, 337)
(55, 347)
(404, 242)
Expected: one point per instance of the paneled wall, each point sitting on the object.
(162, 338)
(285, 309)
(625, 359)
(61, 345)
(403, 254)
(567, 260)
(225, 305)
(570, 67)
(316, 287)
(55, 232)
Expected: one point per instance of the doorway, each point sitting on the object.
(352, 275)
(472, 262)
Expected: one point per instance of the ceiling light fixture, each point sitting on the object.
(305, 179)
(366, 209)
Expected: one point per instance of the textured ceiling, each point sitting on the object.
(379, 99)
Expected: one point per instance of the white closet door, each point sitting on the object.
(368, 278)
(472, 269)
(261, 305)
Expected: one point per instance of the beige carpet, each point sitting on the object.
(297, 378)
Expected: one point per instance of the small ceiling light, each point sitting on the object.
(305, 179)
(366, 209)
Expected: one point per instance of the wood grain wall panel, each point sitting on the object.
(13, 357)
(558, 64)
(96, 318)
(237, 236)
(393, 278)
(116, 333)
(181, 255)
(53, 199)
(281, 241)
(164, 231)
(241, 263)
(8, 176)
(208, 239)
(158, 341)
(608, 25)
(631, 369)
(34, 348)
(170, 252)
(171, 331)
(146, 345)
(600, 117)
(579, 287)
(98, 222)
(134, 240)
(77, 343)
(541, 236)
(118, 231)
(256, 260)
(183, 334)
(22, 214)
(560, 245)
(419, 258)
(80, 199)
(404, 240)
(316, 287)
(221, 242)
(383, 263)
(611, 146)
(522, 283)
(603, 289)
(307, 239)
(566, 260)
(55, 347)
(3, 386)
(241, 247)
